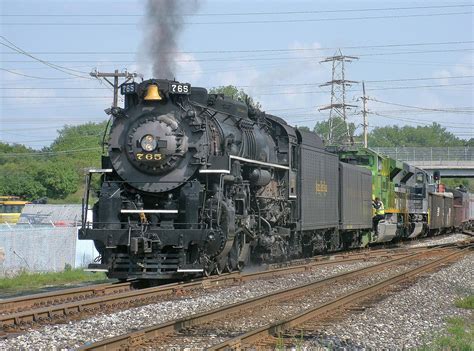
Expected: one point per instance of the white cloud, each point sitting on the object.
(270, 83)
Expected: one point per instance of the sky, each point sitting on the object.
(416, 58)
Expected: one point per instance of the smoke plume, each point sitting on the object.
(164, 24)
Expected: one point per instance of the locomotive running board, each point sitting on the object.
(95, 270)
(96, 267)
(190, 270)
(148, 211)
(268, 164)
(101, 170)
(226, 171)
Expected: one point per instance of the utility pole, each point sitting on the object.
(115, 85)
(338, 106)
(364, 113)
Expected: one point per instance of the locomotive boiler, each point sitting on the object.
(192, 183)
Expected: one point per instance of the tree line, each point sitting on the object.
(57, 171)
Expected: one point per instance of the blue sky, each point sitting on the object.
(436, 73)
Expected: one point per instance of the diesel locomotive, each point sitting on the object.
(197, 183)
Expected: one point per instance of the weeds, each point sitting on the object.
(459, 334)
(467, 302)
(25, 280)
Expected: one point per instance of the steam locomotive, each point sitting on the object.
(197, 184)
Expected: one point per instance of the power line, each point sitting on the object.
(411, 112)
(368, 81)
(53, 66)
(60, 126)
(34, 77)
(48, 153)
(55, 97)
(385, 116)
(372, 89)
(415, 79)
(277, 58)
(80, 137)
(421, 86)
(255, 50)
(258, 94)
(457, 111)
(247, 13)
(258, 85)
(54, 88)
(243, 22)
(416, 121)
(414, 107)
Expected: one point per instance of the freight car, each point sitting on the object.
(197, 183)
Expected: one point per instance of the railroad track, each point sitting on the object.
(20, 313)
(28, 302)
(198, 326)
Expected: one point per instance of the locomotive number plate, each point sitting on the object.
(180, 88)
(149, 157)
(129, 88)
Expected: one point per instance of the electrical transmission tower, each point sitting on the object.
(338, 107)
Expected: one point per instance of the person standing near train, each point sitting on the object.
(377, 204)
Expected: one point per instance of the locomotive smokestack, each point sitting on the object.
(165, 21)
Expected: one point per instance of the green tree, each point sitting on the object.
(339, 130)
(17, 180)
(59, 179)
(57, 171)
(234, 93)
(8, 152)
(394, 136)
(79, 146)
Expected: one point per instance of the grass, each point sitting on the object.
(467, 302)
(27, 281)
(75, 198)
(459, 334)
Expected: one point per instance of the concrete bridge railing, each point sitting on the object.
(439, 155)
(450, 161)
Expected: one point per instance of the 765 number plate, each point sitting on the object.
(180, 88)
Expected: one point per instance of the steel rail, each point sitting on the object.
(324, 309)
(145, 335)
(128, 298)
(22, 303)
(34, 301)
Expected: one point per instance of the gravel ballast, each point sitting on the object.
(407, 319)
(453, 238)
(78, 333)
(449, 283)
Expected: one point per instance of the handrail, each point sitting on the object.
(428, 153)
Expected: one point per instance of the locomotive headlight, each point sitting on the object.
(148, 143)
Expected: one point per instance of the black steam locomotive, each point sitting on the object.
(197, 183)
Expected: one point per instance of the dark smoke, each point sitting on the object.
(164, 23)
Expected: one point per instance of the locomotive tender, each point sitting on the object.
(197, 183)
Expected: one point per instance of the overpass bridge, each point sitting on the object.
(452, 162)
